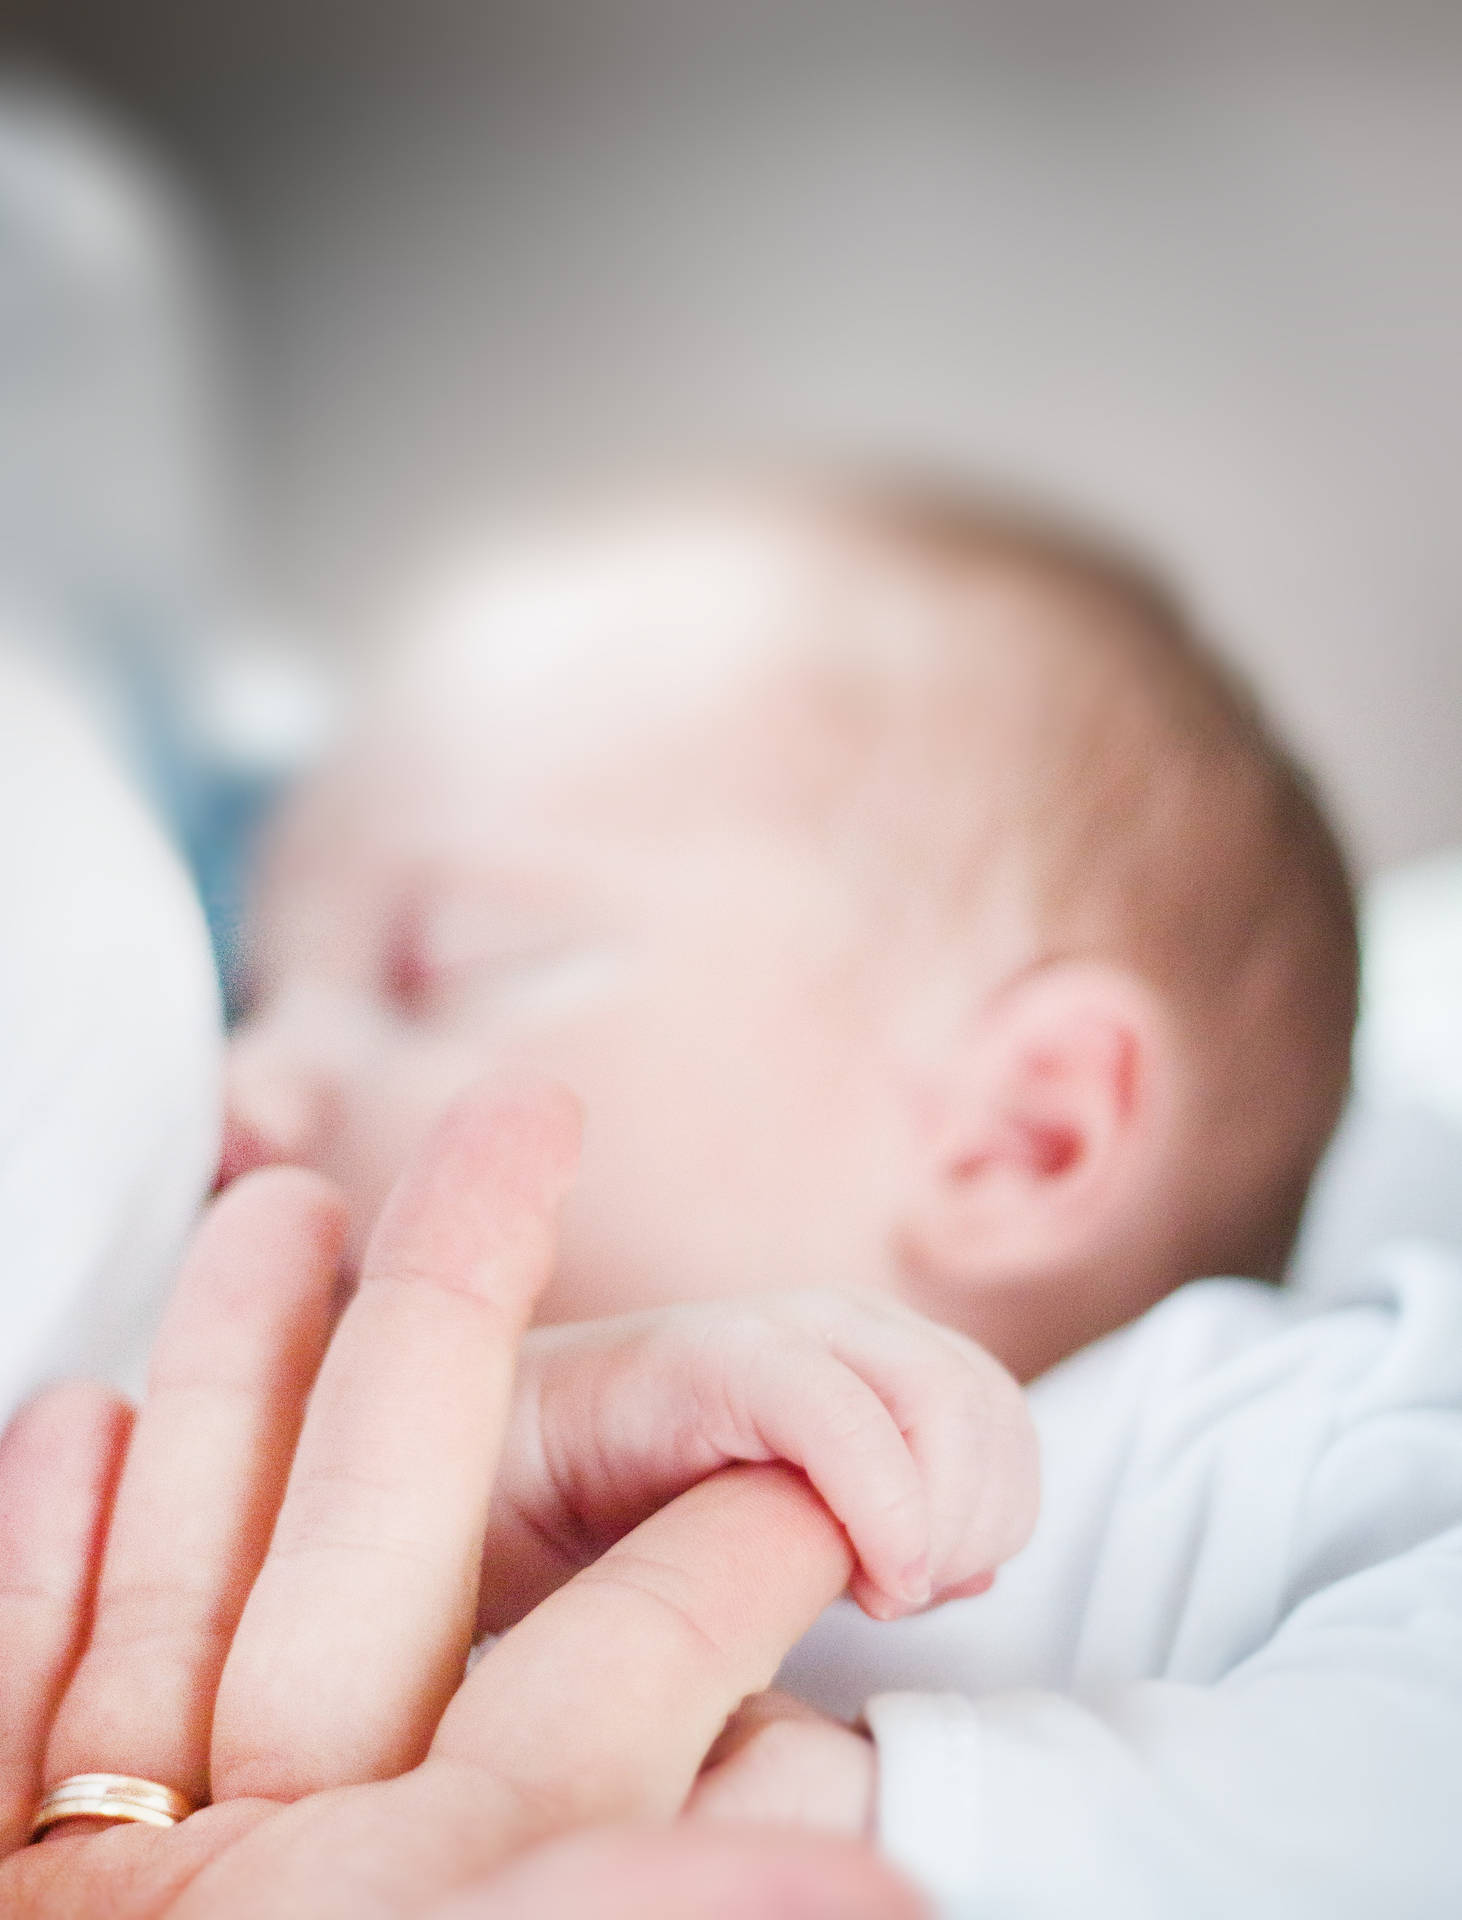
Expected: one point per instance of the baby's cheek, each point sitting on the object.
(389, 1118)
(602, 1265)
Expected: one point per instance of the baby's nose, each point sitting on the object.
(274, 1114)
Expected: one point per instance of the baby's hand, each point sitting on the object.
(918, 1441)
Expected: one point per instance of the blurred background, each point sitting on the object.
(356, 270)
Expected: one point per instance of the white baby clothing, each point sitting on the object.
(1225, 1678)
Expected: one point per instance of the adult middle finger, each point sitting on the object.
(357, 1630)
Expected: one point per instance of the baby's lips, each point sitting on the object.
(243, 1149)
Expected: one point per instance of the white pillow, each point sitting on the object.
(1394, 1169)
(1409, 1044)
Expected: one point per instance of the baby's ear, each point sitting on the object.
(1050, 1121)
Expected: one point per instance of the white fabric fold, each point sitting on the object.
(1226, 1676)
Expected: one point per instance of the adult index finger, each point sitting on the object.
(603, 1702)
(357, 1630)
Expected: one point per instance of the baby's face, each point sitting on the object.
(562, 845)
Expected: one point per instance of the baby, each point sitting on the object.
(914, 907)
(919, 912)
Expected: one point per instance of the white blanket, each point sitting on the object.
(109, 1049)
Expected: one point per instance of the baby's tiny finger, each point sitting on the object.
(966, 1424)
(983, 1445)
(59, 1461)
(970, 1589)
(814, 1411)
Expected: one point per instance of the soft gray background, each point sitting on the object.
(1196, 268)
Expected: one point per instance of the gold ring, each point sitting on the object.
(110, 1796)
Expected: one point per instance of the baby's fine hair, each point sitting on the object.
(1161, 819)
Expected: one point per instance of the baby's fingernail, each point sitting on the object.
(915, 1584)
(971, 1589)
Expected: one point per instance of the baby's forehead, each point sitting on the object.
(666, 676)
(659, 610)
(604, 622)
(649, 649)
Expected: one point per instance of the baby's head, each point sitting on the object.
(913, 903)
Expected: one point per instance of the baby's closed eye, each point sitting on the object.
(448, 954)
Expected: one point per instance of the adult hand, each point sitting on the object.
(279, 1619)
